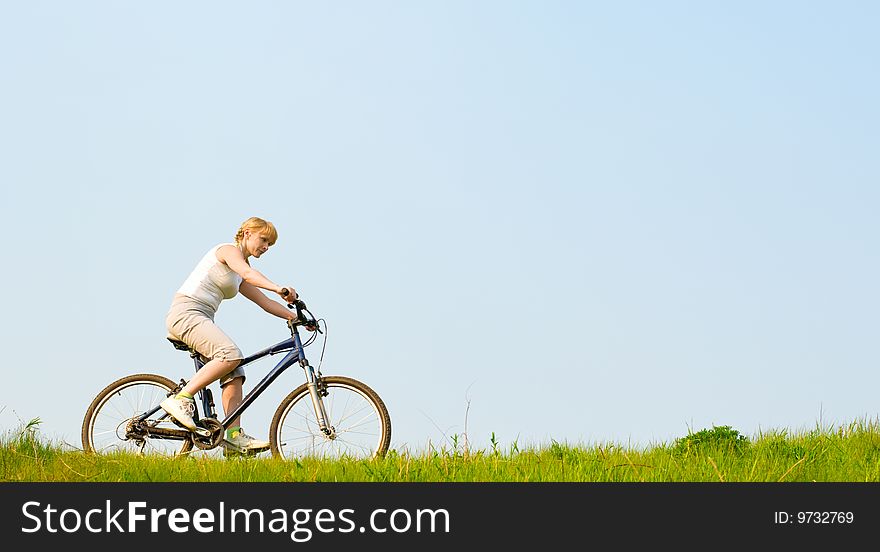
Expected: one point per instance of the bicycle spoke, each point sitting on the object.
(107, 422)
(356, 427)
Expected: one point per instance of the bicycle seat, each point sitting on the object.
(179, 345)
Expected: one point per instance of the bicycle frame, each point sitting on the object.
(295, 354)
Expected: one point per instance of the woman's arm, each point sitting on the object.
(272, 307)
(234, 259)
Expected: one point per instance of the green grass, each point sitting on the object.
(848, 453)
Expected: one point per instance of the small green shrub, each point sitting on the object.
(718, 438)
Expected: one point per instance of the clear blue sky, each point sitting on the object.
(578, 221)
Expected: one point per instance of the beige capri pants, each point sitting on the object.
(192, 322)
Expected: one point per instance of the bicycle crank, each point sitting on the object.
(215, 437)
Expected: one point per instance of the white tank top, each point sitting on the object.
(211, 281)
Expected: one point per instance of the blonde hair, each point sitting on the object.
(256, 224)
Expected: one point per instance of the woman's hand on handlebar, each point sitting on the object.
(288, 294)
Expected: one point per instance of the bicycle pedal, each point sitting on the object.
(229, 452)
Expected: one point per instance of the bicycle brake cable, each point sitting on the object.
(324, 346)
(309, 341)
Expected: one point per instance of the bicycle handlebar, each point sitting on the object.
(300, 307)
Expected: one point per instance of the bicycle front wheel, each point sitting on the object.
(106, 426)
(359, 422)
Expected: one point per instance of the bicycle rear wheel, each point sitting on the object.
(360, 421)
(106, 423)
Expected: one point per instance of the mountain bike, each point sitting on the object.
(325, 417)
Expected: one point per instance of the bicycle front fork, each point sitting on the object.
(317, 392)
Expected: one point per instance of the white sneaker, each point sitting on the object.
(182, 410)
(245, 443)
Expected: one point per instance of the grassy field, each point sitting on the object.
(848, 453)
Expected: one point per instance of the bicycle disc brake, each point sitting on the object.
(216, 429)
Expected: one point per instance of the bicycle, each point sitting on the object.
(326, 417)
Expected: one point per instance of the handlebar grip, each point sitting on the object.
(284, 293)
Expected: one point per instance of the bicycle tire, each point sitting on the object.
(116, 404)
(295, 415)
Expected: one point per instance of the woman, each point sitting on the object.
(221, 274)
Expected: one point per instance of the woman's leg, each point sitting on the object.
(209, 373)
(231, 395)
(235, 437)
